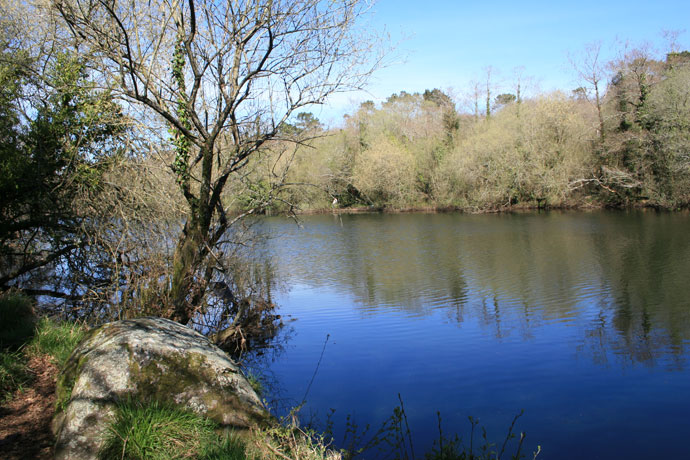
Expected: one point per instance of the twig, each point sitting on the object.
(277, 452)
(407, 426)
(522, 439)
(440, 432)
(510, 433)
(304, 398)
(294, 445)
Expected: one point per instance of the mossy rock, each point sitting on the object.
(147, 359)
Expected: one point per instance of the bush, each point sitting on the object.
(17, 320)
(527, 159)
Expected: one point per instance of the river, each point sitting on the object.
(581, 319)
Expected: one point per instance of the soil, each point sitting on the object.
(25, 420)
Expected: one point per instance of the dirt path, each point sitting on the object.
(25, 420)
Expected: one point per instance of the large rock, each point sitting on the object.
(146, 359)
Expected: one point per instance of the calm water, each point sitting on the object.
(580, 319)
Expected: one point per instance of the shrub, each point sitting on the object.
(17, 319)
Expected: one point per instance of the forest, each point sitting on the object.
(619, 140)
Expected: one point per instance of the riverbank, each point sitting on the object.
(465, 210)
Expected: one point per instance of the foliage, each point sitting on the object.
(58, 135)
(621, 145)
(505, 99)
(645, 156)
(401, 155)
(525, 159)
(89, 207)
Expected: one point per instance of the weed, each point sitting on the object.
(453, 449)
(288, 441)
(228, 448)
(394, 440)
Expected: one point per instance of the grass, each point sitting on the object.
(23, 336)
(17, 322)
(152, 430)
(255, 382)
(159, 431)
(56, 339)
(14, 374)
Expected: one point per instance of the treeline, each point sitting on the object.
(622, 139)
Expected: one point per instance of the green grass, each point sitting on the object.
(230, 448)
(17, 322)
(14, 374)
(56, 339)
(23, 336)
(255, 382)
(158, 431)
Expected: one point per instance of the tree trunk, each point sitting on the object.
(599, 109)
(189, 255)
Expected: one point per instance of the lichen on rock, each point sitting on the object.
(147, 359)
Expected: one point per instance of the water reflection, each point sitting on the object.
(621, 276)
(581, 319)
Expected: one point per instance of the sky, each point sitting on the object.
(449, 44)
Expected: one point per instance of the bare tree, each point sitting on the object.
(488, 70)
(671, 37)
(224, 77)
(519, 75)
(471, 98)
(592, 71)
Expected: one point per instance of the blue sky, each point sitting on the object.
(448, 44)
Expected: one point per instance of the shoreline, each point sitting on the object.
(464, 210)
